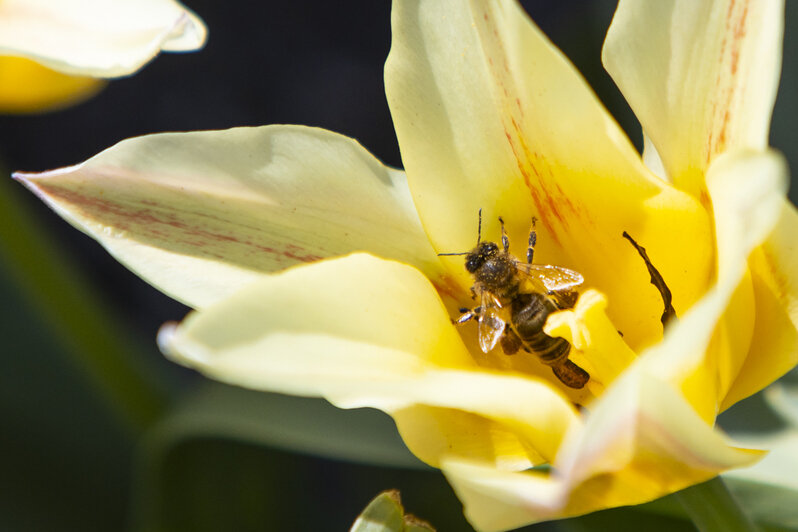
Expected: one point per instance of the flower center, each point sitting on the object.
(536, 310)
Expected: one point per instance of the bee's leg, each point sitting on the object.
(570, 374)
(505, 240)
(467, 314)
(533, 239)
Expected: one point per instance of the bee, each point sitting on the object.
(516, 298)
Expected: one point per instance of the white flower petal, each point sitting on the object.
(200, 215)
(701, 76)
(98, 38)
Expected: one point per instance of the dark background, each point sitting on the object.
(66, 460)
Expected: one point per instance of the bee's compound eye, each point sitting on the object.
(473, 262)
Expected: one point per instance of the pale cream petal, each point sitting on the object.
(363, 332)
(489, 114)
(704, 351)
(774, 270)
(701, 75)
(652, 159)
(497, 500)
(640, 442)
(199, 215)
(97, 37)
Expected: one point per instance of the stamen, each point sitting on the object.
(656, 279)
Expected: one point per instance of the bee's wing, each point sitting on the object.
(552, 278)
(491, 325)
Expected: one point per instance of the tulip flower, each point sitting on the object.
(54, 53)
(316, 271)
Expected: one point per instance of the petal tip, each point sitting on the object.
(165, 336)
(176, 347)
(189, 33)
(28, 180)
(31, 181)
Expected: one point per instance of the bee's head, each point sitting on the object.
(479, 255)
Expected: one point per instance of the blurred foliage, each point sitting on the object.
(386, 514)
(208, 484)
(70, 310)
(62, 448)
(154, 448)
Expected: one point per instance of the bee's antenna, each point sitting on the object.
(479, 227)
(479, 238)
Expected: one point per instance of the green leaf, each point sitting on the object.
(771, 507)
(296, 424)
(769, 489)
(628, 519)
(194, 435)
(64, 447)
(386, 514)
(214, 462)
(712, 508)
(782, 397)
(206, 483)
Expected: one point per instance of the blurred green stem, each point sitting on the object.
(713, 508)
(61, 296)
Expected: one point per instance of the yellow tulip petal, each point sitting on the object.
(640, 442)
(96, 37)
(363, 332)
(432, 432)
(490, 114)
(598, 347)
(645, 430)
(27, 86)
(200, 215)
(702, 353)
(774, 266)
(701, 76)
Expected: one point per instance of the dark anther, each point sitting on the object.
(656, 279)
